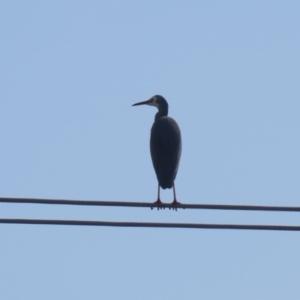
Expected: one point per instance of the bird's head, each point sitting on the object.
(158, 101)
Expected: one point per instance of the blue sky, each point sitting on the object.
(70, 71)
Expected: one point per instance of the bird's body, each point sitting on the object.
(165, 148)
(165, 145)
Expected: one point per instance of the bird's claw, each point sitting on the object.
(174, 204)
(158, 204)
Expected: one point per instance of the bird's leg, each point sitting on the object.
(158, 202)
(175, 202)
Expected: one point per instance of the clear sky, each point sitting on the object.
(69, 73)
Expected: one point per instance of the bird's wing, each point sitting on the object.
(165, 146)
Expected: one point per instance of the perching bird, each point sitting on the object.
(165, 146)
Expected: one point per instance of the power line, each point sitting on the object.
(150, 225)
(149, 205)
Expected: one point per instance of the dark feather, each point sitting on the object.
(165, 146)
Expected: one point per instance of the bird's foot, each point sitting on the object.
(158, 204)
(174, 204)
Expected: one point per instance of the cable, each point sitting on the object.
(149, 205)
(150, 225)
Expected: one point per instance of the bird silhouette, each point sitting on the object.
(165, 147)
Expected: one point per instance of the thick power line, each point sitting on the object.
(150, 205)
(149, 225)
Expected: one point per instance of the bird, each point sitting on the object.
(165, 147)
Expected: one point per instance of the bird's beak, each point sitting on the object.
(148, 102)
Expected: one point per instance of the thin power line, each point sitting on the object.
(150, 225)
(149, 205)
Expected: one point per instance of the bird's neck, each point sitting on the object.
(161, 113)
